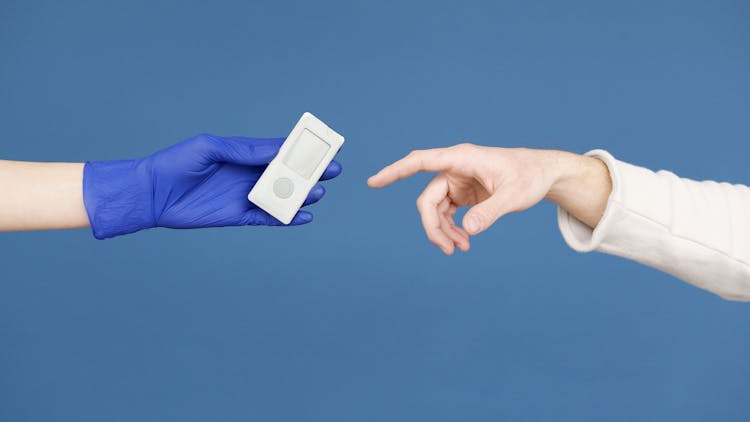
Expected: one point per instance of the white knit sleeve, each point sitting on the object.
(697, 231)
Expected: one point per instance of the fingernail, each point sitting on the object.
(472, 224)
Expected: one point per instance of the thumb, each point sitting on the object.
(484, 214)
(243, 151)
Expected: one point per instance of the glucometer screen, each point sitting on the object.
(306, 154)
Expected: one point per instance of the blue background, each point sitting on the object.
(357, 317)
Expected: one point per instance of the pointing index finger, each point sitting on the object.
(429, 160)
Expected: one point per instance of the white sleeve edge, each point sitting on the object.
(576, 234)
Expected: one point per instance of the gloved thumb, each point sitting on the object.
(242, 151)
(484, 214)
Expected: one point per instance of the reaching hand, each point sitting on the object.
(493, 181)
(201, 182)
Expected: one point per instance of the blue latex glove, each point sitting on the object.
(201, 182)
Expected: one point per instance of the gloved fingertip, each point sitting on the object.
(302, 217)
(318, 191)
(334, 169)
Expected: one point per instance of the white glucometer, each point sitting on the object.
(302, 159)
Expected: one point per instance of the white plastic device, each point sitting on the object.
(302, 159)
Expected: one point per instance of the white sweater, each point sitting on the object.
(697, 231)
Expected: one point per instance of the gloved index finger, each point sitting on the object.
(244, 151)
(430, 160)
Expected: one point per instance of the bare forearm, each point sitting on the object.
(39, 196)
(582, 186)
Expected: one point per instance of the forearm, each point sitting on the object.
(39, 196)
(697, 231)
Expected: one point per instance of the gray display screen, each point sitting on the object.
(306, 154)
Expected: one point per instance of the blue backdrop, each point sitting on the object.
(357, 317)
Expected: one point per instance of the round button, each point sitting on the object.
(283, 188)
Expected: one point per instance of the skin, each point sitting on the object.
(495, 182)
(40, 196)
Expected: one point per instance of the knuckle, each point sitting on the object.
(204, 140)
(202, 137)
(442, 152)
(247, 220)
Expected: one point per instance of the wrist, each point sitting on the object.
(571, 173)
(562, 169)
(581, 186)
(118, 197)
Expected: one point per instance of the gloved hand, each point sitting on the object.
(201, 182)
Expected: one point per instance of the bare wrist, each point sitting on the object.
(564, 169)
(581, 186)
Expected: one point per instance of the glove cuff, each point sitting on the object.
(118, 197)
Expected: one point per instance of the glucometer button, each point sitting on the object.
(283, 188)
